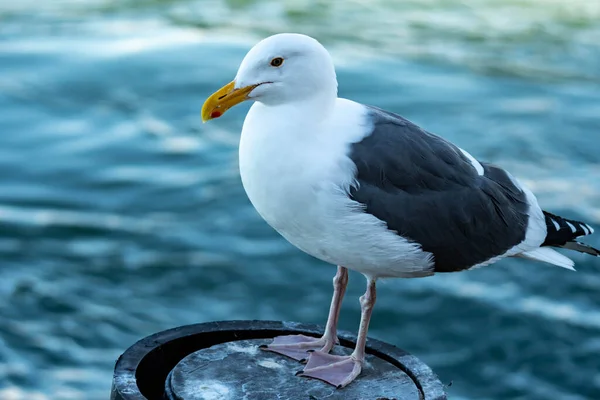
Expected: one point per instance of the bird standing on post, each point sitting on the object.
(366, 189)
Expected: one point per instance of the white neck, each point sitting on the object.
(315, 107)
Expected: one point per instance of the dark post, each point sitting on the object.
(221, 360)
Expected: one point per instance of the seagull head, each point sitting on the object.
(281, 69)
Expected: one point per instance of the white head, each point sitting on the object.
(281, 69)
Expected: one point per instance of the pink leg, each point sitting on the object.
(341, 370)
(298, 346)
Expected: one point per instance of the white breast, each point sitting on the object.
(298, 175)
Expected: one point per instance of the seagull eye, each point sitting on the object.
(276, 62)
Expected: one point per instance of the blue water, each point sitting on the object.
(122, 215)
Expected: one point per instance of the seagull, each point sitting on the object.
(366, 189)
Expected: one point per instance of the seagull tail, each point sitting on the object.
(549, 256)
(562, 233)
(581, 247)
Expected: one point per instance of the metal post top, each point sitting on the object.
(221, 360)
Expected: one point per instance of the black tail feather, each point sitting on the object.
(582, 248)
(562, 232)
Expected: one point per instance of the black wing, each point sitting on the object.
(428, 191)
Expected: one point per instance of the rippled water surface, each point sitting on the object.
(122, 215)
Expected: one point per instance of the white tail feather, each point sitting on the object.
(549, 256)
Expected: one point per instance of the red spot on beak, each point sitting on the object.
(216, 114)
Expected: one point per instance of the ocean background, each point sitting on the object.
(122, 215)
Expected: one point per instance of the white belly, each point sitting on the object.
(300, 186)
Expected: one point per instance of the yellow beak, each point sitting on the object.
(223, 99)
